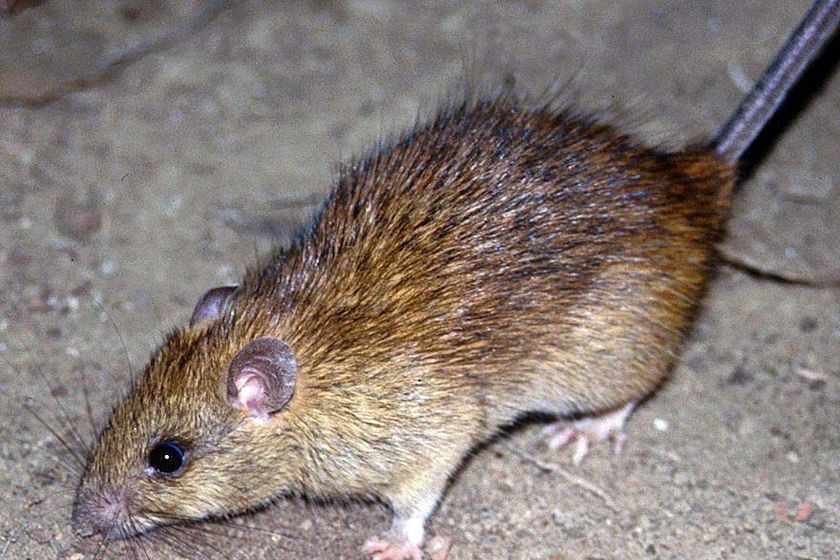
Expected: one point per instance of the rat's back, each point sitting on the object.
(534, 258)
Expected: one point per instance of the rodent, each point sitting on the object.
(497, 261)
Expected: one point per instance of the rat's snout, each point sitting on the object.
(106, 514)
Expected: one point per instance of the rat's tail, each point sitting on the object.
(769, 91)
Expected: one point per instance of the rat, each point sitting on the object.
(497, 261)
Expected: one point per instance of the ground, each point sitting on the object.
(150, 150)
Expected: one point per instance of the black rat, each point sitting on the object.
(496, 261)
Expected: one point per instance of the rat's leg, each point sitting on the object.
(413, 503)
(590, 429)
(406, 534)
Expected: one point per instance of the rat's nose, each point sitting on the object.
(98, 513)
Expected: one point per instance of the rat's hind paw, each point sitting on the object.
(386, 549)
(588, 430)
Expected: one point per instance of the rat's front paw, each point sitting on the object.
(589, 430)
(392, 549)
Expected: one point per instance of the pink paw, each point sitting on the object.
(384, 549)
(589, 430)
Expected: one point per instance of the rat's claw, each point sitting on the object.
(589, 430)
(383, 549)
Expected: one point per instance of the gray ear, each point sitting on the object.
(261, 378)
(209, 306)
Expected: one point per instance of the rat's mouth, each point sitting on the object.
(132, 526)
(108, 514)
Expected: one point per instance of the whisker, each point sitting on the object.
(88, 407)
(119, 335)
(139, 541)
(220, 527)
(68, 427)
(73, 452)
(47, 497)
(74, 471)
(214, 533)
(103, 545)
(182, 534)
(63, 416)
(133, 548)
(213, 545)
(174, 538)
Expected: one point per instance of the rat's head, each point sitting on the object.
(188, 442)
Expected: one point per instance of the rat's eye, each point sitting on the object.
(167, 457)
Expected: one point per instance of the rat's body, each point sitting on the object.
(498, 261)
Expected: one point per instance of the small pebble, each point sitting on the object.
(803, 513)
(72, 303)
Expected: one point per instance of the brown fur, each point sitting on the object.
(497, 261)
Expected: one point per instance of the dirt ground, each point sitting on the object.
(149, 150)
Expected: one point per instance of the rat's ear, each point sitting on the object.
(261, 377)
(209, 306)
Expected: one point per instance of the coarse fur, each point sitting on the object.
(497, 261)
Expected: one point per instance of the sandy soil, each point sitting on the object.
(147, 154)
